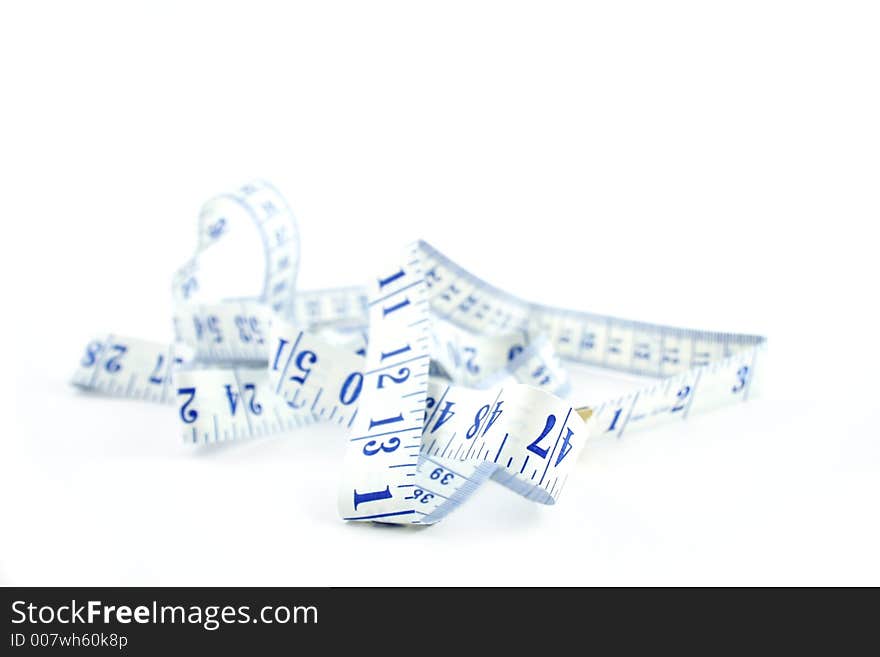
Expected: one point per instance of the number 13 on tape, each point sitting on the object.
(383, 451)
(390, 472)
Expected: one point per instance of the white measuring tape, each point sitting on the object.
(440, 380)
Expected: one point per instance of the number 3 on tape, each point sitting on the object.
(459, 382)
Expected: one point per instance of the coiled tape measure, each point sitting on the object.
(440, 380)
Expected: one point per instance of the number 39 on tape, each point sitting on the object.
(440, 380)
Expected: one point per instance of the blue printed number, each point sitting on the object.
(303, 362)
(281, 343)
(480, 416)
(216, 229)
(187, 414)
(374, 447)
(211, 325)
(253, 405)
(93, 350)
(190, 285)
(156, 377)
(493, 417)
(614, 419)
(351, 389)
(402, 375)
(363, 498)
(742, 376)
(248, 329)
(470, 365)
(453, 355)
(566, 446)
(442, 475)
(446, 413)
(540, 375)
(542, 451)
(682, 395)
(113, 365)
(478, 420)
(548, 427)
(421, 496)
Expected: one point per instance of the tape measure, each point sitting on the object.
(440, 380)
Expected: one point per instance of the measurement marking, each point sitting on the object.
(448, 469)
(386, 433)
(500, 448)
(391, 294)
(692, 395)
(546, 467)
(169, 372)
(525, 463)
(428, 490)
(287, 364)
(97, 364)
(751, 374)
(408, 360)
(244, 404)
(628, 415)
(317, 397)
(480, 449)
(380, 515)
(447, 445)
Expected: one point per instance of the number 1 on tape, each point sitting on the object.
(383, 451)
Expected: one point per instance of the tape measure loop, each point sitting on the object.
(441, 380)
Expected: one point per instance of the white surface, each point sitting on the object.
(706, 166)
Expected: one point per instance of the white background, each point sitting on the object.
(703, 164)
